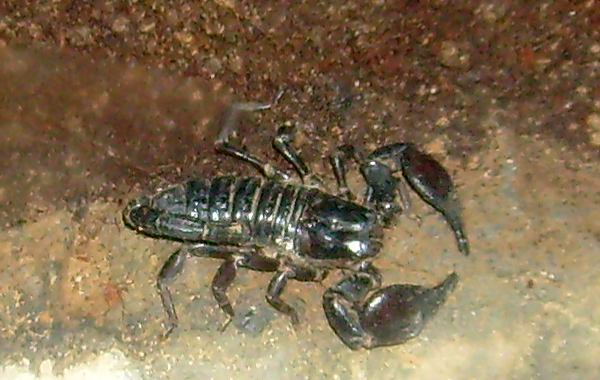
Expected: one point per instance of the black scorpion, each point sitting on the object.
(308, 233)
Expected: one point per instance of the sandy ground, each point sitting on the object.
(106, 103)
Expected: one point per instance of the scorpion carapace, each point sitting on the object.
(309, 232)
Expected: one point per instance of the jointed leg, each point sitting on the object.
(227, 273)
(282, 143)
(235, 257)
(338, 161)
(222, 144)
(170, 270)
(221, 281)
(277, 285)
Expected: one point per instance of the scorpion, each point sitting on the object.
(300, 231)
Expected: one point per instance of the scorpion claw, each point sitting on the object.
(388, 316)
(430, 180)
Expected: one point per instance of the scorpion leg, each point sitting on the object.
(221, 281)
(170, 270)
(365, 316)
(222, 144)
(429, 180)
(227, 272)
(282, 143)
(235, 257)
(266, 169)
(338, 165)
(277, 285)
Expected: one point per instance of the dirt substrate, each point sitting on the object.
(101, 102)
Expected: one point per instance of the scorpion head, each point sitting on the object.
(336, 229)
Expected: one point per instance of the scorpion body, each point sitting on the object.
(254, 212)
(300, 231)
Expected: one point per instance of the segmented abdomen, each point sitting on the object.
(246, 210)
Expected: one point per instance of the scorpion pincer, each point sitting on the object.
(309, 231)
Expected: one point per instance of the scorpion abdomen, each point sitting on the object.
(237, 211)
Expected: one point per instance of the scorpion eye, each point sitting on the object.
(143, 215)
